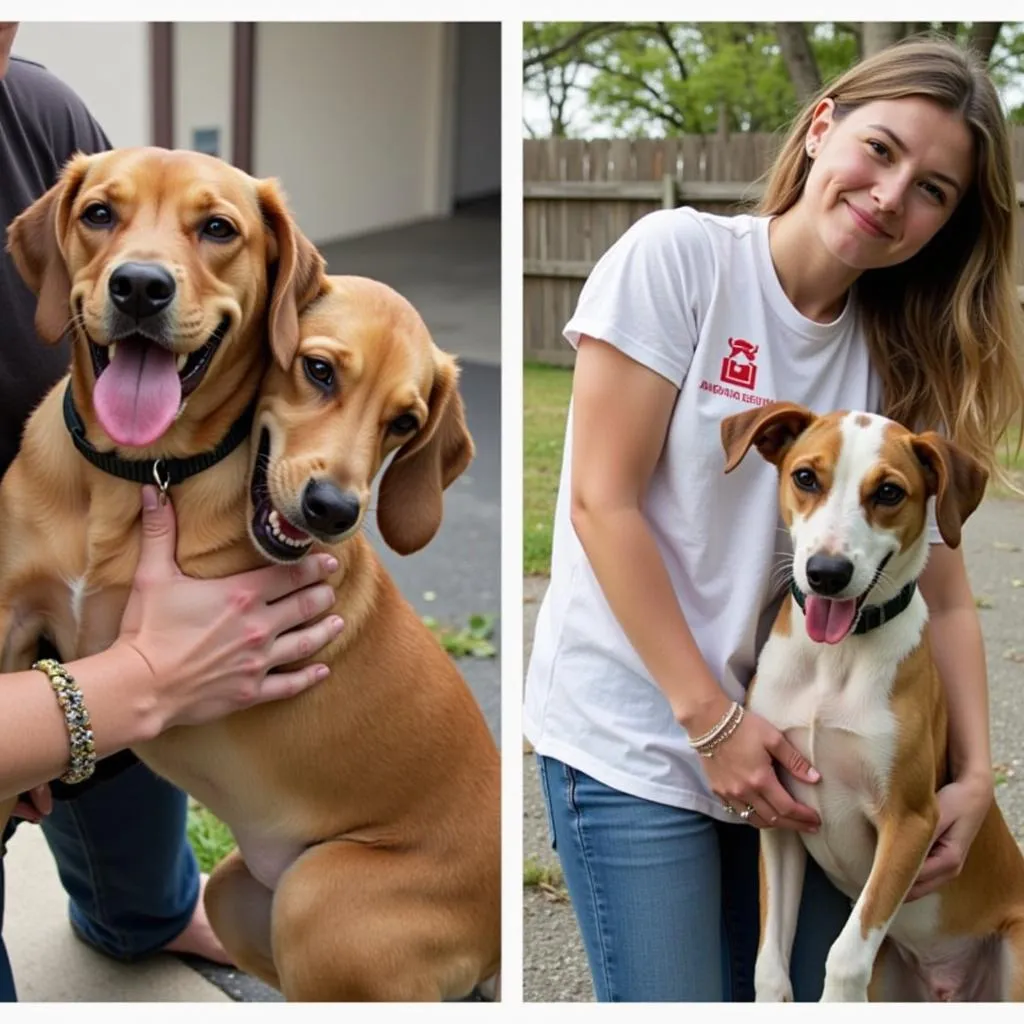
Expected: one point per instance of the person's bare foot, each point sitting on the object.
(198, 937)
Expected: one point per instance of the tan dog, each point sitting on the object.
(160, 262)
(377, 851)
(367, 810)
(848, 676)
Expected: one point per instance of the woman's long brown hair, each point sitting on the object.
(945, 329)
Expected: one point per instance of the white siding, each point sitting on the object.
(203, 81)
(106, 63)
(348, 116)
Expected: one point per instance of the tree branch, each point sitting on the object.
(595, 28)
(982, 37)
(666, 35)
(671, 115)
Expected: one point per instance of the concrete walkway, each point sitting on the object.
(51, 965)
(451, 271)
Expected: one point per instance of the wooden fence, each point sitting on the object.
(580, 196)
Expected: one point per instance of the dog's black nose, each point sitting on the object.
(328, 509)
(141, 289)
(828, 574)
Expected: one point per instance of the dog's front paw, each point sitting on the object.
(845, 988)
(771, 980)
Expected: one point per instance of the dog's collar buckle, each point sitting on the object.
(162, 477)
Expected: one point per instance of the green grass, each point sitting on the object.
(539, 876)
(209, 837)
(1010, 453)
(546, 391)
(472, 640)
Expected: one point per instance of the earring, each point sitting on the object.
(811, 149)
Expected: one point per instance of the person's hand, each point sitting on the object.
(210, 645)
(742, 774)
(34, 805)
(963, 805)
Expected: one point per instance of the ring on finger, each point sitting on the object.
(748, 812)
(729, 809)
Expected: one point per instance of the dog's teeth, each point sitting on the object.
(182, 360)
(111, 349)
(274, 520)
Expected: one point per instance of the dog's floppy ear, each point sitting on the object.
(955, 478)
(298, 272)
(34, 240)
(409, 502)
(771, 429)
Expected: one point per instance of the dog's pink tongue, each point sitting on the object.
(828, 621)
(137, 396)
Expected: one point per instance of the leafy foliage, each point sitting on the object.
(666, 78)
(472, 640)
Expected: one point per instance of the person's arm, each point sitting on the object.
(959, 653)
(189, 651)
(621, 414)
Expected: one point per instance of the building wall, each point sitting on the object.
(478, 105)
(350, 118)
(359, 120)
(203, 82)
(106, 63)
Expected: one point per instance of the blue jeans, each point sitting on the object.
(125, 863)
(667, 899)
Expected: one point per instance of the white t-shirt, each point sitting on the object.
(695, 298)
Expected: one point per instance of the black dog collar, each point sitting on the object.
(162, 472)
(873, 615)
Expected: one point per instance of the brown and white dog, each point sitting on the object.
(848, 676)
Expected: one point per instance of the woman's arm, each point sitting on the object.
(959, 654)
(621, 414)
(189, 651)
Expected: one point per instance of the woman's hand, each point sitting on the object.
(209, 645)
(963, 805)
(742, 773)
(34, 805)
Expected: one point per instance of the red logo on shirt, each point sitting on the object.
(738, 366)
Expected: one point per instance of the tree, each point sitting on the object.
(658, 78)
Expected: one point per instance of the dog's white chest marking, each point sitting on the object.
(77, 592)
(832, 702)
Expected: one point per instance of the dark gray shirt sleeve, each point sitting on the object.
(43, 124)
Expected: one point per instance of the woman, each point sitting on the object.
(879, 276)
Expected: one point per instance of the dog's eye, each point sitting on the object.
(98, 215)
(220, 229)
(889, 494)
(806, 480)
(319, 371)
(403, 424)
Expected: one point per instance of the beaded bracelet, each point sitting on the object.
(83, 754)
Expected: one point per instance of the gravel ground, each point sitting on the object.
(554, 965)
